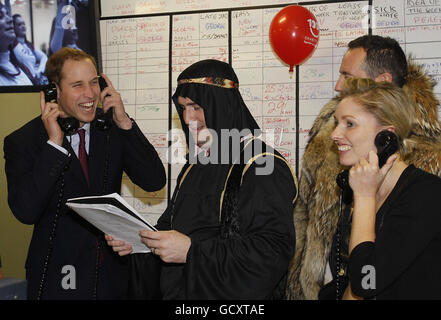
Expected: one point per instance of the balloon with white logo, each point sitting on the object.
(294, 35)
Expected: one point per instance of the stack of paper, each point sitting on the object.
(114, 216)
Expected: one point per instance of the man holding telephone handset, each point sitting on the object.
(46, 166)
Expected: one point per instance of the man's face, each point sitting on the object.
(194, 118)
(351, 66)
(79, 91)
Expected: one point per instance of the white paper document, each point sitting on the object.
(114, 216)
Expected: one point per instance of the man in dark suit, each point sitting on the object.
(67, 258)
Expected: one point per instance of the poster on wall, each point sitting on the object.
(32, 30)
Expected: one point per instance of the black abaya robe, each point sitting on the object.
(253, 261)
(249, 266)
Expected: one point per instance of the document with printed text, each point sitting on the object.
(114, 216)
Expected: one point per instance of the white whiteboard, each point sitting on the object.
(417, 26)
(111, 8)
(143, 58)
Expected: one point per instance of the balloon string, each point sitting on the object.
(291, 71)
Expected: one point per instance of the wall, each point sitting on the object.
(16, 109)
(146, 44)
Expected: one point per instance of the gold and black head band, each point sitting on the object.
(219, 82)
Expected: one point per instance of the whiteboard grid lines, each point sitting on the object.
(287, 105)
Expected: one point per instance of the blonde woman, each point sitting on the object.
(389, 246)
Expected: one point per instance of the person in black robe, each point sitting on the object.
(228, 232)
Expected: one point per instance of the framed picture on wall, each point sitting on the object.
(31, 30)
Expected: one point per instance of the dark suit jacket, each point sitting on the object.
(34, 171)
(404, 262)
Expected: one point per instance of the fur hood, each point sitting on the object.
(316, 210)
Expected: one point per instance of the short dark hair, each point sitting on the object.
(15, 16)
(383, 54)
(56, 61)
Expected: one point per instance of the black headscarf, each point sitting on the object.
(218, 95)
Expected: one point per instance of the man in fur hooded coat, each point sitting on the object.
(317, 209)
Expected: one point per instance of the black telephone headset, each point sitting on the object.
(387, 144)
(70, 125)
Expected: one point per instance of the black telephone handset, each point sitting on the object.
(70, 125)
(387, 144)
(103, 119)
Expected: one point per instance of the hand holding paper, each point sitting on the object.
(119, 246)
(171, 246)
(116, 218)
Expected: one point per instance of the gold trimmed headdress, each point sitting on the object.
(218, 82)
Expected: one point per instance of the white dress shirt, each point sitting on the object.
(75, 141)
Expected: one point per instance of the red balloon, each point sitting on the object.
(294, 35)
